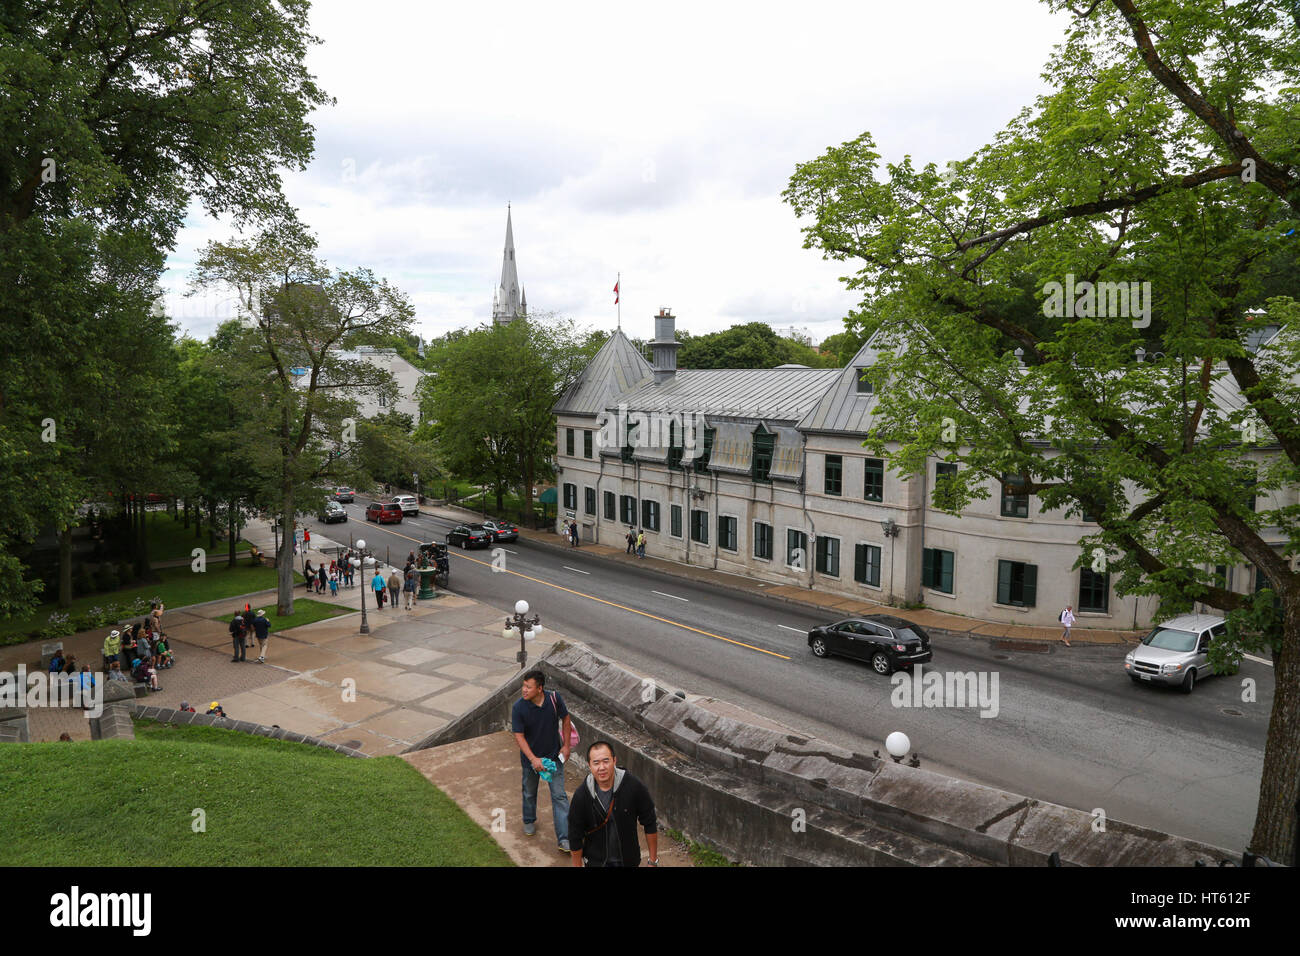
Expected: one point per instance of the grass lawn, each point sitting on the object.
(169, 540)
(266, 803)
(305, 611)
(176, 587)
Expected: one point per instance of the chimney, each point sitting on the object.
(664, 347)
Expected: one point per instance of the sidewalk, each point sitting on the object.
(832, 604)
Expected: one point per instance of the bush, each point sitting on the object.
(106, 577)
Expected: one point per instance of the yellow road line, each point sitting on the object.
(621, 607)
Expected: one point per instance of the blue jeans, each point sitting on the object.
(559, 799)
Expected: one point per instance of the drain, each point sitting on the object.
(1230, 712)
(1029, 647)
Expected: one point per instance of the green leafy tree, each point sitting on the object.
(301, 393)
(1165, 153)
(752, 345)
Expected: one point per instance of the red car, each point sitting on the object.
(384, 512)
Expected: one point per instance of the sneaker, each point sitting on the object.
(564, 846)
(530, 829)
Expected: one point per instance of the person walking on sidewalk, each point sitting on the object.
(573, 532)
(535, 721)
(640, 544)
(1067, 620)
(631, 541)
(237, 637)
(605, 812)
(377, 584)
(322, 579)
(394, 587)
(410, 585)
(306, 539)
(262, 627)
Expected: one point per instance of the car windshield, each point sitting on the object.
(1171, 640)
(906, 634)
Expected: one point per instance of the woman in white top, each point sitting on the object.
(1067, 619)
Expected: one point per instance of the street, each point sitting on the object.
(1071, 728)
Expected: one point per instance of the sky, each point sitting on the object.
(647, 140)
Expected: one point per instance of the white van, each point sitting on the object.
(1176, 652)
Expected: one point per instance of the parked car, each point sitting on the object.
(502, 530)
(1176, 652)
(332, 512)
(345, 494)
(408, 504)
(889, 643)
(384, 512)
(470, 536)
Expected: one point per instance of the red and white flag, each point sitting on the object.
(616, 291)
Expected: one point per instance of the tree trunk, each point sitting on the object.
(142, 542)
(185, 512)
(230, 527)
(528, 490)
(1279, 788)
(65, 566)
(198, 519)
(284, 566)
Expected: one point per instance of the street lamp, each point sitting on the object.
(898, 745)
(529, 628)
(359, 563)
(891, 530)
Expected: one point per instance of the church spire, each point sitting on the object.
(508, 306)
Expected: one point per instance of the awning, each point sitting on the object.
(548, 497)
(733, 448)
(787, 454)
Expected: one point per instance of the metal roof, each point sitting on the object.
(617, 368)
(842, 408)
(776, 394)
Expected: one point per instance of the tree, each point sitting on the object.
(491, 396)
(1165, 156)
(752, 345)
(300, 393)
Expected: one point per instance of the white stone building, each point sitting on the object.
(782, 490)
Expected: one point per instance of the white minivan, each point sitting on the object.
(408, 504)
(1176, 651)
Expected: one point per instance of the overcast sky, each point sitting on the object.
(648, 139)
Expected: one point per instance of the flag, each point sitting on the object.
(616, 291)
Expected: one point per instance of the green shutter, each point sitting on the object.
(1031, 585)
(860, 563)
(1004, 582)
(947, 559)
(927, 567)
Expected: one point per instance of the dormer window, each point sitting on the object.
(864, 383)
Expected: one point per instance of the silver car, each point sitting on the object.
(1176, 651)
(408, 504)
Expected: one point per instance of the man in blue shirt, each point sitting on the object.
(535, 720)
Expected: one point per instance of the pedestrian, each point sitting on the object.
(322, 579)
(410, 559)
(334, 585)
(410, 586)
(394, 586)
(306, 539)
(631, 540)
(112, 646)
(573, 529)
(295, 539)
(237, 637)
(350, 570)
(308, 574)
(144, 647)
(262, 627)
(605, 812)
(640, 544)
(535, 721)
(1067, 619)
(156, 614)
(378, 585)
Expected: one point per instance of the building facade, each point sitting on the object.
(762, 472)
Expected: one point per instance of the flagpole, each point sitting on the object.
(619, 300)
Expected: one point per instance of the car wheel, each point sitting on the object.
(1189, 682)
(819, 647)
(881, 663)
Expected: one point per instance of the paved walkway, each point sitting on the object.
(832, 604)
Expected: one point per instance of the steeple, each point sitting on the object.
(508, 305)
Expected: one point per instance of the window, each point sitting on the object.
(1222, 579)
(764, 445)
(589, 494)
(571, 497)
(942, 471)
(796, 549)
(650, 515)
(866, 564)
(627, 509)
(609, 506)
(762, 540)
(568, 442)
(705, 450)
(834, 474)
(700, 526)
(727, 532)
(864, 385)
(383, 400)
(1089, 516)
(1094, 590)
(873, 485)
(828, 556)
(629, 438)
(1014, 504)
(676, 445)
(936, 569)
(675, 521)
(1018, 583)
(586, 443)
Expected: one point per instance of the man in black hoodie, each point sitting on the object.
(604, 813)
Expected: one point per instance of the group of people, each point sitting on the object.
(389, 589)
(243, 628)
(599, 828)
(636, 542)
(337, 573)
(144, 649)
(571, 532)
(67, 667)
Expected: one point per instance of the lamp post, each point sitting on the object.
(529, 628)
(891, 529)
(359, 563)
(898, 745)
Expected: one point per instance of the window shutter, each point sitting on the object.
(927, 567)
(1031, 584)
(947, 572)
(1004, 582)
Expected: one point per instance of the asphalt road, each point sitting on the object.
(1070, 727)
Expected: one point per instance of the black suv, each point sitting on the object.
(889, 643)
